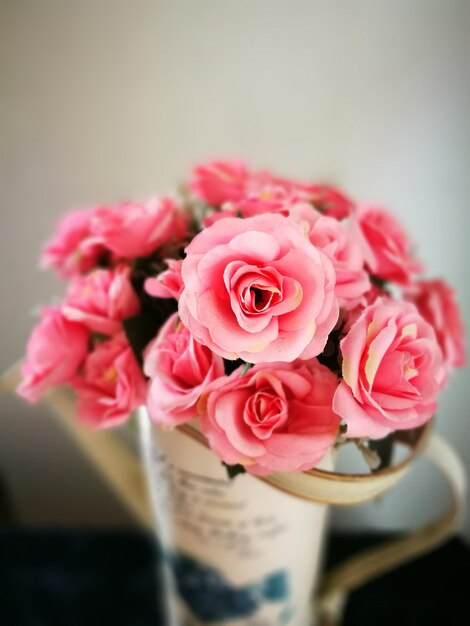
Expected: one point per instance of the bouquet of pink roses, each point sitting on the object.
(265, 307)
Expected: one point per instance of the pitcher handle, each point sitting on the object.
(362, 568)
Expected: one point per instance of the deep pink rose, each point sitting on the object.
(386, 246)
(136, 229)
(168, 284)
(257, 289)
(56, 349)
(111, 386)
(331, 201)
(392, 370)
(102, 299)
(180, 369)
(436, 302)
(338, 243)
(277, 417)
(72, 250)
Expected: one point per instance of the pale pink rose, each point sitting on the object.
(338, 243)
(102, 299)
(436, 302)
(392, 371)
(56, 349)
(111, 386)
(180, 369)
(257, 289)
(168, 284)
(137, 229)
(72, 250)
(386, 246)
(277, 417)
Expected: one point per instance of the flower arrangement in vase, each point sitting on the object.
(283, 316)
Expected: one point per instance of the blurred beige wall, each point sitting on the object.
(107, 99)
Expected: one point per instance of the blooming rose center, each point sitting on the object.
(258, 293)
(261, 298)
(409, 367)
(265, 412)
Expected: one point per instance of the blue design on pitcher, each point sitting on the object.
(211, 597)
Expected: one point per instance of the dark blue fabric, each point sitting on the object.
(64, 578)
(83, 578)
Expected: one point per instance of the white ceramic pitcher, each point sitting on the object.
(244, 552)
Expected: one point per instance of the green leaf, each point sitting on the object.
(246, 367)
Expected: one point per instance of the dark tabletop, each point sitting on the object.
(83, 578)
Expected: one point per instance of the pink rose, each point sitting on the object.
(56, 349)
(338, 243)
(278, 196)
(277, 417)
(351, 316)
(102, 299)
(112, 384)
(137, 229)
(230, 185)
(435, 300)
(325, 198)
(72, 250)
(267, 199)
(331, 201)
(386, 246)
(392, 368)
(220, 183)
(217, 182)
(168, 284)
(257, 289)
(180, 369)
